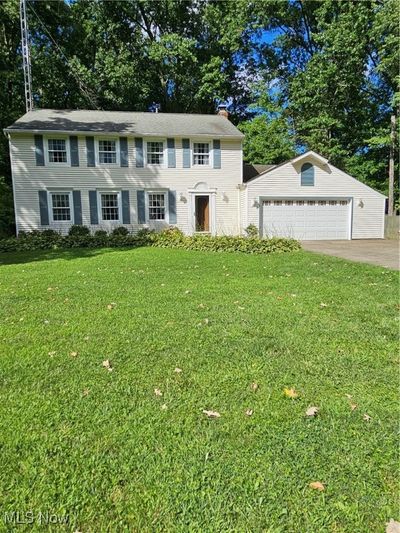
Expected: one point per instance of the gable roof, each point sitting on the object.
(251, 171)
(125, 122)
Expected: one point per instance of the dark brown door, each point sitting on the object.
(202, 213)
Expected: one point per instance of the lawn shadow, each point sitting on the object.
(15, 258)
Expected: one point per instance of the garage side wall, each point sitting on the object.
(368, 206)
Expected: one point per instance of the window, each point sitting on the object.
(61, 206)
(201, 153)
(307, 175)
(156, 206)
(109, 206)
(107, 152)
(155, 153)
(57, 149)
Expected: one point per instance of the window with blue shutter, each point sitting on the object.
(39, 153)
(307, 175)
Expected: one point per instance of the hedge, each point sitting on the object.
(169, 238)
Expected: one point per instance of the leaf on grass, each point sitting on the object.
(164, 407)
(201, 306)
(367, 418)
(353, 406)
(348, 396)
(206, 321)
(312, 411)
(187, 292)
(73, 354)
(178, 370)
(317, 485)
(249, 412)
(290, 393)
(393, 526)
(107, 364)
(211, 414)
(85, 392)
(111, 306)
(52, 354)
(157, 392)
(323, 305)
(254, 387)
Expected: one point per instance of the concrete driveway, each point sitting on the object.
(379, 252)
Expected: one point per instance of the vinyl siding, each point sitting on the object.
(29, 178)
(284, 181)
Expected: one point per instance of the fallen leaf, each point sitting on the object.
(316, 485)
(290, 393)
(312, 411)
(366, 417)
(178, 370)
(353, 406)
(348, 396)
(323, 305)
(52, 354)
(157, 392)
(249, 412)
(211, 414)
(241, 308)
(206, 321)
(393, 526)
(254, 387)
(107, 364)
(187, 292)
(111, 306)
(86, 338)
(85, 392)
(164, 407)
(73, 354)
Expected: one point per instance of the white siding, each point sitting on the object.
(29, 178)
(284, 181)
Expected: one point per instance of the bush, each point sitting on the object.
(169, 238)
(121, 230)
(251, 231)
(78, 231)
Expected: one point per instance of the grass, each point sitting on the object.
(77, 440)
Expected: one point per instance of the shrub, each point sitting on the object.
(121, 230)
(78, 231)
(169, 238)
(251, 230)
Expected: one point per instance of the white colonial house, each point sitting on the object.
(106, 169)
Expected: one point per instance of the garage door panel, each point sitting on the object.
(306, 219)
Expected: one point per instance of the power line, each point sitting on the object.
(84, 89)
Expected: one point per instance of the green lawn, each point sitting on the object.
(77, 439)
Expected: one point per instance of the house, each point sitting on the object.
(106, 169)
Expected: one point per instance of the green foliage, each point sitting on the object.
(120, 230)
(77, 230)
(252, 230)
(169, 238)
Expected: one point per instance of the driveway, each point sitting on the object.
(379, 252)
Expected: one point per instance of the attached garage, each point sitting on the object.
(307, 198)
(306, 218)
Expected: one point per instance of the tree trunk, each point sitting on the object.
(391, 164)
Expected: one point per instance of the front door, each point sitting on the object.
(202, 213)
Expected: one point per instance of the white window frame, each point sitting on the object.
(164, 164)
(117, 150)
(210, 153)
(152, 221)
(49, 163)
(50, 207)
(99, 207)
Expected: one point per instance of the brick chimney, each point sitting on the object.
(223, 111)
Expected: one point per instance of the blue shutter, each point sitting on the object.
(171, 153)
(172, 206)
(186, 153)
(94, 216)
(73, 148)
(76, 199)
(217, 153)
(141, 207)
(126, 210)
(139, 152)
(43, 208)
(91, 160)
(307, 174)
(123, 151)
(39, 153)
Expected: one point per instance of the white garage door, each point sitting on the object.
(306, 219)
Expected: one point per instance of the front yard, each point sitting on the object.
(129, 448)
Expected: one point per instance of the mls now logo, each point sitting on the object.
(31, 517)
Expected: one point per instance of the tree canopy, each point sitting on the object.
(296, 75)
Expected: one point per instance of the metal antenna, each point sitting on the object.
(26, 56)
